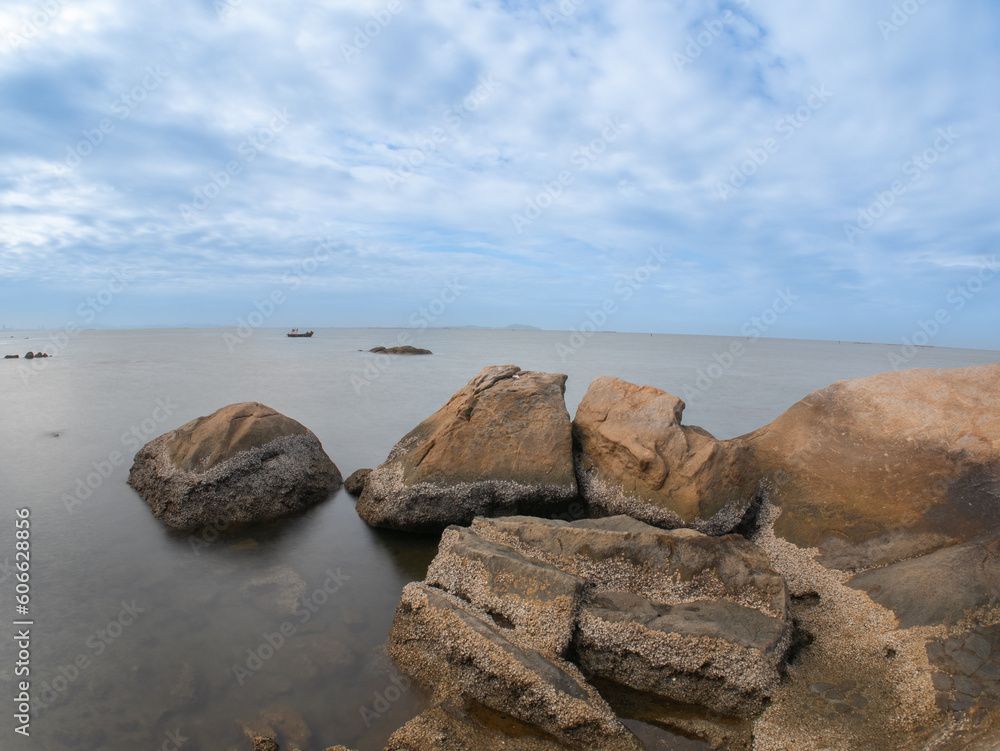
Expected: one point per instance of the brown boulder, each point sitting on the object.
(501, 445)
(355, 483)
(879, 469)
(634, 457)
(244, 463)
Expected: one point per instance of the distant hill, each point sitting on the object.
(512, 327)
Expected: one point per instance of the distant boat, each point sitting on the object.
(295, 333)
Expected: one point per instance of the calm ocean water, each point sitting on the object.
(137, 631)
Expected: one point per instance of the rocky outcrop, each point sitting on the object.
(634, 457)
(942, 587)
(501, 445)
(12, 357)
(880, 469)
(244, 463)
(698, 619)
(673, 613)
(404, 350)
(454, 647)
(355, 483)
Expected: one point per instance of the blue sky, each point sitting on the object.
(504, 162)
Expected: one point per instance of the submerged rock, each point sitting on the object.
(244, 463)
(501, 445)
(876, 470)
(404, 350)
(634, 457)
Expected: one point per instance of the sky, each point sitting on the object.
(828, 169)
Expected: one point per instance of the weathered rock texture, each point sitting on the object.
(244, 463)
(698, 619)
(501, 445)
(879, 469)
(693, 618)
(634, 457)
(456, 648)
(942, 587)
(529, 595)
(355, 482)
(444, 728)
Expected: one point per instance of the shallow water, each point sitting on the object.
(137, 631)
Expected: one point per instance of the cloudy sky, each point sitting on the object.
(683, 164)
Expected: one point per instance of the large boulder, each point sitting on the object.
(876, 470)
(244, 463)
(454, 648)
(634, 457)
(501, 445)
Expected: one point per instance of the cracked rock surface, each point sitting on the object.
(634, 457)
(514, 608)
(501, 445)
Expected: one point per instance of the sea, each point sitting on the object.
(138, 637)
